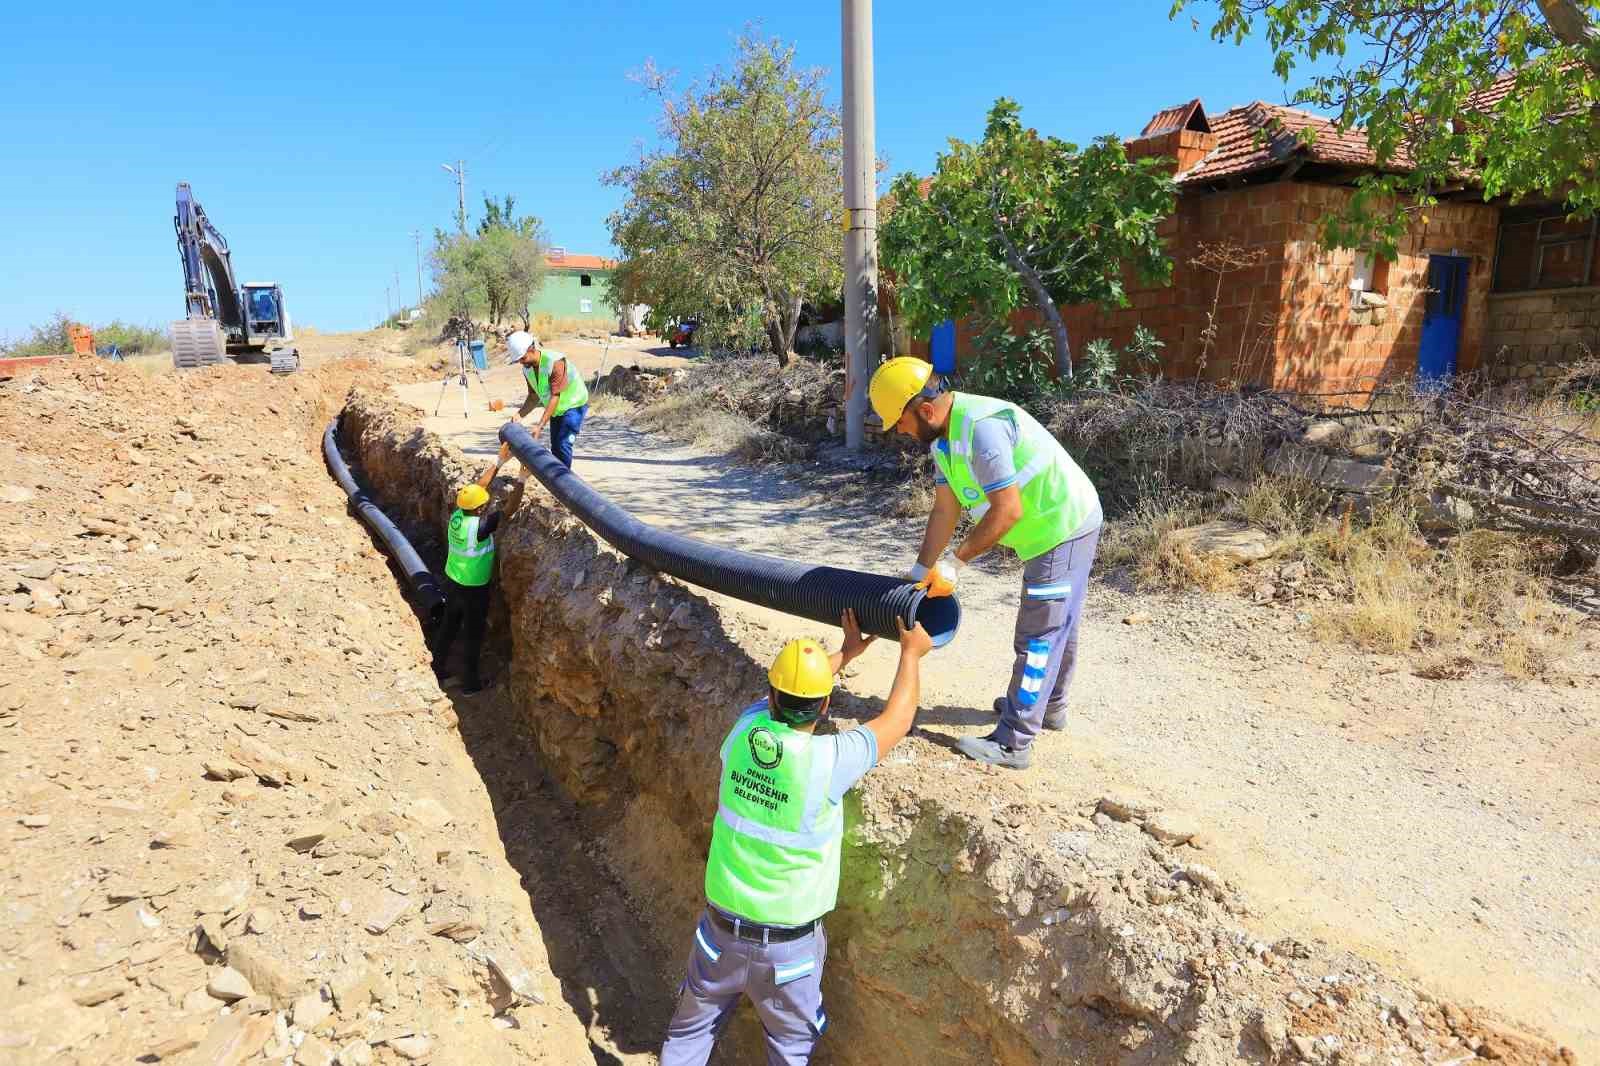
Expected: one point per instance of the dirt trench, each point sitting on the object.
(239, 822)
(974, 924)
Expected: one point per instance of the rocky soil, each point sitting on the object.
(238, 821)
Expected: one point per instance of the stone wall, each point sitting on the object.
(1537, 335)
(975, 923)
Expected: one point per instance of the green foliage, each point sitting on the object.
(1406, 74)
(494, 272)
(1021, 220)
(49, 339)
(131, 339)
(735, 219)
(52, 338)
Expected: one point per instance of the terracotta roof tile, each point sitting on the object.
(579, 262)
(1485, 99)
(1261, 135)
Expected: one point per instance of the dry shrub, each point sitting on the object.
(1284, 506)
(912, 498)
(610, 405)
(1176, 565)
(684, 416)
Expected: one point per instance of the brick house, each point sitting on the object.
(1470, 289)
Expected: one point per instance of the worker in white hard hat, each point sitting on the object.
(468, 572)
(773, 868)
(994, 459)
(555, 389)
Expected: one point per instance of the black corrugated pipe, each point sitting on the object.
(820, 593)
(421, 579)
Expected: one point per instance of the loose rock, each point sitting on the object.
(228, 984)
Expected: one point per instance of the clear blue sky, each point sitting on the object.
(313, 134)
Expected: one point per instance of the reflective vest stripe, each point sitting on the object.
(784, 838)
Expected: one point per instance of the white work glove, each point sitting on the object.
(917, 572)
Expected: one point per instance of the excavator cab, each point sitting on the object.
(266, 318)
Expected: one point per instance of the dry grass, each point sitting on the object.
(1377, 582)
(685, 416)
(611, 405)
(1481, 592)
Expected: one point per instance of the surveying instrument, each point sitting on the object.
(463, 361)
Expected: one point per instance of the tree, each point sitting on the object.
(735, 218)
(497, 270)
(1415, 88)
(1022, 220)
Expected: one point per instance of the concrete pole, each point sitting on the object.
(416, 235)
(861, 208)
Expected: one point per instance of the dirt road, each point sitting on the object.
(1450, 829)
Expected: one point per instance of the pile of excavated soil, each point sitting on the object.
(238, 822)
(983, 921)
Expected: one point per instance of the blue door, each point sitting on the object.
(1441, 322)
(942, 347)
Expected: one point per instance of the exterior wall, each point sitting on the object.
(1324, 345)
(563, 293)
(1286, 322)
(1534, 334)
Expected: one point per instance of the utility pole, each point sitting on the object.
(460, 172)
(388, 305)
(416, 235)
(861, 218)
(398, 306)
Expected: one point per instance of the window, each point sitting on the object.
(585, 280)
(1369, 277)
(1543, 253)
(586, 306)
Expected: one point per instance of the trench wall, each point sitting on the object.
(974, 924)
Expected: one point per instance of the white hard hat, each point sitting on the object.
(517, 345)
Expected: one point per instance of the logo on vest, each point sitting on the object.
(971, 494)
(765, 749)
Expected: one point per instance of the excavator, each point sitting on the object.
(223, 317)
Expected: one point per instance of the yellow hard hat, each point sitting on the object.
(802, 669)
(895, 383)
(472, 497)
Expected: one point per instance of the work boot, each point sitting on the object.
(1055, 720)
(988, 750)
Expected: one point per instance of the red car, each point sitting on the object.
(683, 333)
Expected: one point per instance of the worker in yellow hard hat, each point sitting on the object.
(468, 571)
(773, 870)
(994, 459)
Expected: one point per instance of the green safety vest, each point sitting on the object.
(576, 393)
(775, 844)
(1057, 496)
(470, 562)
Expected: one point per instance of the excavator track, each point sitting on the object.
(197, 342)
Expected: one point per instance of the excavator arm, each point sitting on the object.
(210, 289)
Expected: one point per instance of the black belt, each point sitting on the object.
(765, 934)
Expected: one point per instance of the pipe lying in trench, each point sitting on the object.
(418, 576)
(820, 593)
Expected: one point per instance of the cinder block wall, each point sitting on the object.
(1531, 335)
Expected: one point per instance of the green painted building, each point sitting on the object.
(574, 288)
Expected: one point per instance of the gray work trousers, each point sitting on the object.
(783, 981)
(1046, 641)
